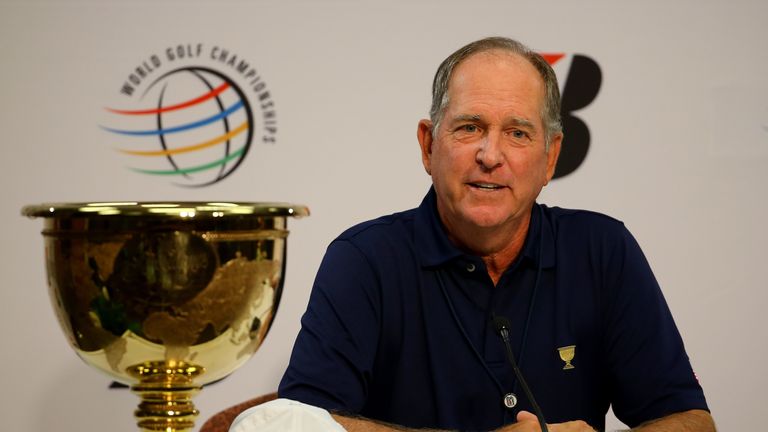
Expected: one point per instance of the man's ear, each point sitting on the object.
(424, 134)
(552, 155)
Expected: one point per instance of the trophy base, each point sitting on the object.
(166, 390)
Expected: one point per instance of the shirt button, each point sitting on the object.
(510, 400)
(470, 267)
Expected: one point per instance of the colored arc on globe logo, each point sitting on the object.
(198, 129)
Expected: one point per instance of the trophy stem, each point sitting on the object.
(166, 390)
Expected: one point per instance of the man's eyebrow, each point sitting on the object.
(466, 117)
(519, 121)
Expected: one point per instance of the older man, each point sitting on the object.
(399, 328)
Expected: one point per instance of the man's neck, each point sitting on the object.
(497, 247)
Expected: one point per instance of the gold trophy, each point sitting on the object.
(567, 353)
(165, 297)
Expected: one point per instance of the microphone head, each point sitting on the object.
(500, 323)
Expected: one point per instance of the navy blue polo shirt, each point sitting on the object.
(398, 327)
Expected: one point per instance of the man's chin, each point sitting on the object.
(487, 220)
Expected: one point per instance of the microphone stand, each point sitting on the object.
(502, 326)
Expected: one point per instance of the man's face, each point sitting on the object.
(488, 160)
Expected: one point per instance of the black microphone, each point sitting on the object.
(502, 326)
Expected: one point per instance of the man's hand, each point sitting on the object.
(694, 421)
(527, 422)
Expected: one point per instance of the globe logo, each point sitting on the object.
(197, 129)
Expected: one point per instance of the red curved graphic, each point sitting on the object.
(213, 93)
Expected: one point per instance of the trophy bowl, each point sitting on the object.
(165, 297)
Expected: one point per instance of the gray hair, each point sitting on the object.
(550, 114)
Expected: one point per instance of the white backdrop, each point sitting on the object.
(679, 150)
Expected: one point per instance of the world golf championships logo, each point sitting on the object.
(193, 123)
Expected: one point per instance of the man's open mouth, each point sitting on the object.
(486, 186)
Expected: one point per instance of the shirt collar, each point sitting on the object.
(434, 248)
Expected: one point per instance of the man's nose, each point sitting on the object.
(490, 154)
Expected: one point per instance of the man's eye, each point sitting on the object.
(517, 133)
(469, 128)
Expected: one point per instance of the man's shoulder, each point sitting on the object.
(581, 222)
(581, 217)
(395, 225)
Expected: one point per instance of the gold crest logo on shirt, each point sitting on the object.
(567, 353)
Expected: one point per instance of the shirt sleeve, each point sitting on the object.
(650, 373)
(332, 359)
